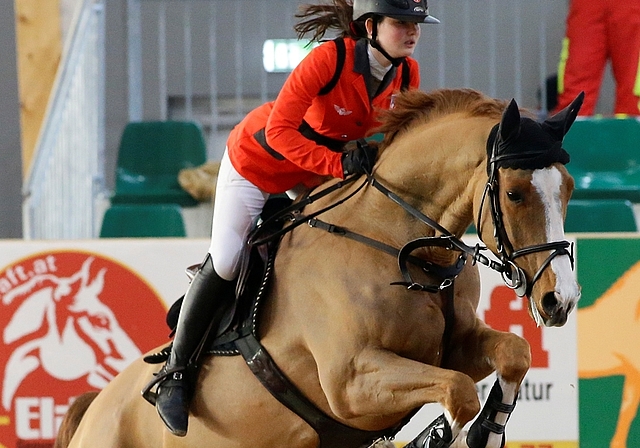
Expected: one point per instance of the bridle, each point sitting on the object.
(512, 274)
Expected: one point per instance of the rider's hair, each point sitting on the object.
(322, 17)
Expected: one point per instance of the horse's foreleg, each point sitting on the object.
(488, 429)
(486, 432)
(380, 383)
(486, 351)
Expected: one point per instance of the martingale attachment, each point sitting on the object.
(446, 273)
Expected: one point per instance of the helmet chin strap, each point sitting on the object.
(374, 43)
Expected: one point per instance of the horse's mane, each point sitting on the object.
(72, 419)
(413, 106)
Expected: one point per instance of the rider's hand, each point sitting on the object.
(361, 159)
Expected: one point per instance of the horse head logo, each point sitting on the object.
(63, 327)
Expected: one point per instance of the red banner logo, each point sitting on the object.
(71, 321)
(508, 312)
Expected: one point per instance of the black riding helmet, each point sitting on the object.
(404, 10)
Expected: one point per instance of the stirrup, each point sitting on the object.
(152, 395)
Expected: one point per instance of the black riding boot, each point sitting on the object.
(208, 298)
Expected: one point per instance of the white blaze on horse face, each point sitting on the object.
(547, 182)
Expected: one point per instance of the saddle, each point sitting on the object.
(241, 338)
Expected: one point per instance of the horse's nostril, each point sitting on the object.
(550, 303)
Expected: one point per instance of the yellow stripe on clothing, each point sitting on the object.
(562, 65)
(636, 87)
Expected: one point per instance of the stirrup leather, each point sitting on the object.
(152, 395)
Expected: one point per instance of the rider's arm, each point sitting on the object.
(295, 98)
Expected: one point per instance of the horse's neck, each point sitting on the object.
(444, 196)
(442, 180)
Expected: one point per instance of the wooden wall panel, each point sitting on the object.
(39, 48)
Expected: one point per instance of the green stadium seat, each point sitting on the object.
(142, 220)
(149, 158)
(605, 158)
(600, 215)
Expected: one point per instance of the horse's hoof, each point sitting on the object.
(436, 435)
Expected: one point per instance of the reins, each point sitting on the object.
(513, 276)
(291, 217)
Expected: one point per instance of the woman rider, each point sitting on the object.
(294, 142)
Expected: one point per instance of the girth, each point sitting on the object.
(243, 340)
(331, 432)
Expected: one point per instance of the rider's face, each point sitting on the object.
(398, 38)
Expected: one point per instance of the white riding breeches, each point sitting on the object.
(237, 204)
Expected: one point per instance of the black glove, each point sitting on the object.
(361, 159)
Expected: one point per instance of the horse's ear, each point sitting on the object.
(559, 124)
(510, 124)
(28, 318)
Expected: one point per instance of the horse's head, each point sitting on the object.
(521, 210)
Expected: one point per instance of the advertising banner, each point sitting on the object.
(608, 336)
(75, 314)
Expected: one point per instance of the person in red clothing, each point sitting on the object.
(598, 31)
(293, 143)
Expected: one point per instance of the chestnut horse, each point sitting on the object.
(368, 343)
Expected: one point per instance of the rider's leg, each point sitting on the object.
(237, 204)
(208, 299)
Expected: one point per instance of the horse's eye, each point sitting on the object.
(515, 196)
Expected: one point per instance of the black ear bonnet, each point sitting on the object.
(523, 143)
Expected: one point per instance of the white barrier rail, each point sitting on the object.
(65, 184)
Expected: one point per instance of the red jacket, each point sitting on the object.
(346, 113)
